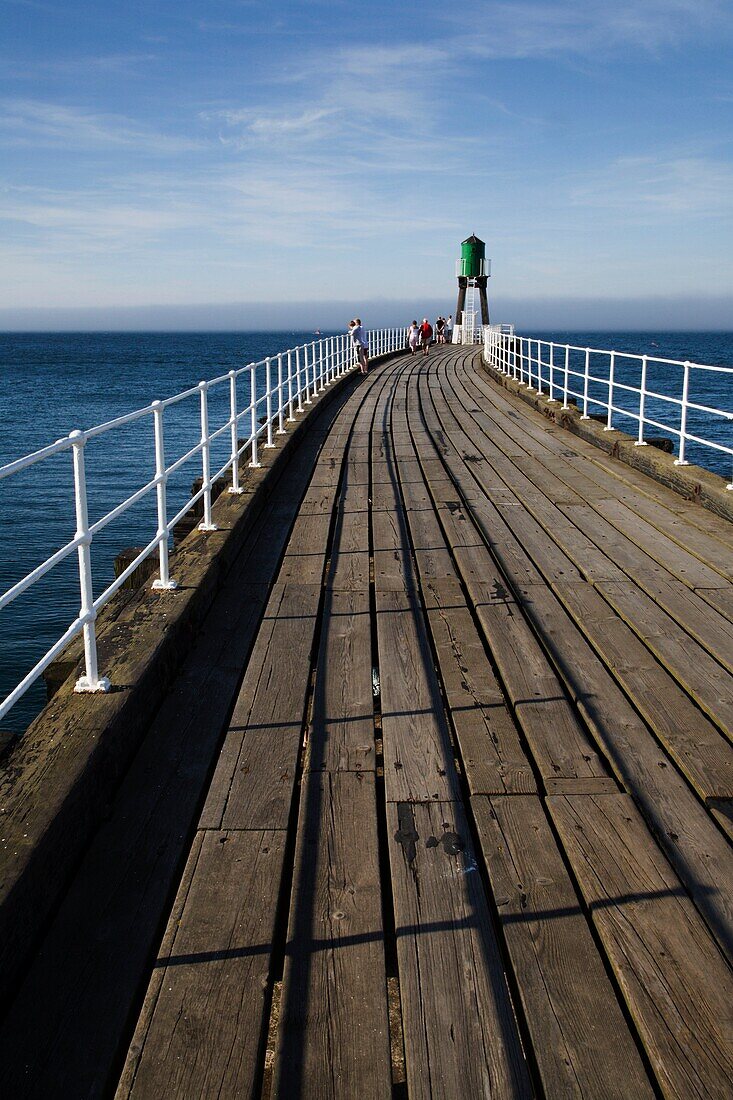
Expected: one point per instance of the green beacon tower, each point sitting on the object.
(473, 270)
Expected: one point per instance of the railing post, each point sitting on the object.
(585, 385)
(91, 681)
(298, 380)
(305, 368)
(164, 582)
(291, 415)
(539, 368)
(207, 524)
(566, 383)
(280, 402)
(234, 487)
(551, 372)
(253, 413)
(642, 404)
(268, 400)
(681, 460)
(318, 386)
(611, 371)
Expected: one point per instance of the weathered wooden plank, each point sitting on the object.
(649, 552)
(580, 1039)
(559, 745)
(719, 598)
(253, 782)
(304, 560)
(333, 1036)
(392, 567)
(350, 561)
(683, 827)
(540, 500)
(677, 985)
(677, 522)
(699, 749)
(722, 811)
(418, 762)
(706, 625)
(418, 759)
(341, 736)
(595, 784)
(710, 685)
(204, 1032)
(492, 755)
(459, 1029)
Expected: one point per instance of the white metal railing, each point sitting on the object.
(601, 379)
(291, 379)
(469, 333)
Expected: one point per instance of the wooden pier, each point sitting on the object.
(441, 802)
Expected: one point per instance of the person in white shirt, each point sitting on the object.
(360, 341)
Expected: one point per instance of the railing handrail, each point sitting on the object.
(292, 378)
(522, 358)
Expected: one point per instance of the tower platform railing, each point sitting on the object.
(644, 392)
(262, 397)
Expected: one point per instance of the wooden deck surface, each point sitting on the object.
(462, 722)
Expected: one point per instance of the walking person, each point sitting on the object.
(413, 337)
(360, 343)
(426, 335)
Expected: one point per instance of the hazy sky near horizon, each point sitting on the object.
(233, 151)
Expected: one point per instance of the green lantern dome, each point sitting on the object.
(473, 257)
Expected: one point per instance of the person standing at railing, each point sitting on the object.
(426, 335)
(413, 337)
(360, 343)
(440, 330)
(449, 329)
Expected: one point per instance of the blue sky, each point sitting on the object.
(172, 153)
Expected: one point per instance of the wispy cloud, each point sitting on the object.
(596, 28)
(243, 123)
(659, 187)
(90, 65)
(32, 122)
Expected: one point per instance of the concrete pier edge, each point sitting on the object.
(58, 781)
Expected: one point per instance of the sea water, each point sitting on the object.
(53, 383)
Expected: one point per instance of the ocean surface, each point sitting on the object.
(53, 383)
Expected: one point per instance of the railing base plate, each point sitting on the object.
(85, 686)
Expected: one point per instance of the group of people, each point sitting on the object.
(422, 335)
(417, 336)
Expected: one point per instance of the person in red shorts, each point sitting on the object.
(426, 335)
